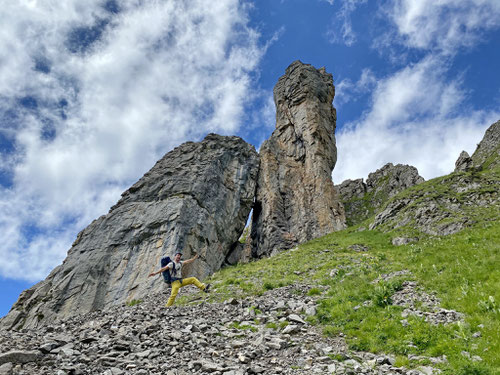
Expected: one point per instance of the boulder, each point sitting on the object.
(196, 199)
(295, 199)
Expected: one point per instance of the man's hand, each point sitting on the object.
(152, 274)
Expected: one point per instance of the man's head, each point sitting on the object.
(178, 256)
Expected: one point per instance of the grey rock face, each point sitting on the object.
(362, 200)
(487, 153)
(464, 162)
(295, 199)
(196, 199)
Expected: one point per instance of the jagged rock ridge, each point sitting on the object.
(197, 198)
(361, 200)
(445, 205)
(487, 154)
(295, 199)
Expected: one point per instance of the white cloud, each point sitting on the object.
(347, 91)
(341, 30)
(92, 117)
(443, 25)
(416, 117)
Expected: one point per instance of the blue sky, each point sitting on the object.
(93, 93)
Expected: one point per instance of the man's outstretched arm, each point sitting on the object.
(159, 271)
(191, 260)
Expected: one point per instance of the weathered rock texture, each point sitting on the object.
(448, 204)
(196, 198)
(487, 154)
(295, 199)
(464, 162)
(362, 200)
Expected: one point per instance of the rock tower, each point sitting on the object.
(295, 199)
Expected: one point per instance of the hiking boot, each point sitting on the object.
(207, 287)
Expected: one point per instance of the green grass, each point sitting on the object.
(462, 270)
(243, 327)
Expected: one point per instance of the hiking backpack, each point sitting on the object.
(167, 276)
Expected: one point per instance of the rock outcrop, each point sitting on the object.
(487, 154)
(464, 162)
(446, 204)
(197, 198)
(361, 200)
(295, 198)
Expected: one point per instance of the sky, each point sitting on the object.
(93, 93)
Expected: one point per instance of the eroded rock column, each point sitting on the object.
(295, 199)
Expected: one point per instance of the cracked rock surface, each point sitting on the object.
(295, 198)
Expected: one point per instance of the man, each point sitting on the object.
(175, 268)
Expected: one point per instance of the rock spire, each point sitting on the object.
(295, 199)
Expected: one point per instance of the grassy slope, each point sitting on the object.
(463, 270)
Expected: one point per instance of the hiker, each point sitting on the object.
(175, 269)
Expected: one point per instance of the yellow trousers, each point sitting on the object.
(176, 285)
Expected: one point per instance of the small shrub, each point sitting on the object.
(272, 325)
(314, 292)
(239, 326)
(473, 369)
(134, 302)
(489, 305)
(256, 310)
(382, 295)
(283, 324)
(268, 285)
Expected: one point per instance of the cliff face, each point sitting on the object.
(361, 200)
(196, 199)
(295, 198)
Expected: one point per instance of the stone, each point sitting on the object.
(48, 347)
(295, 197)
(295, 318)
(6, 369)
(289, 329)
(464, 162)
(398, 241)
(197, 199)
(20, 356)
